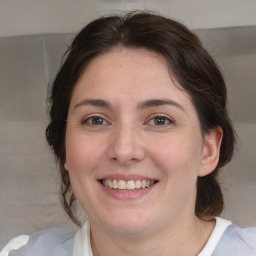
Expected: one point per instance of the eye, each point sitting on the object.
(160, 121)
(95, 120)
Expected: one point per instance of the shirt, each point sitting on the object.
(226, 239)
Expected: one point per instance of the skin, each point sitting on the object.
(130, 141)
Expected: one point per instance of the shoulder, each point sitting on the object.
(14, 244)
(52, 241)
(236, 241)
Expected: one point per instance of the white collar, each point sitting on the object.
(219, 229)
(82, 245)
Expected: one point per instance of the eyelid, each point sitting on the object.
(169, 119)
(87, 118)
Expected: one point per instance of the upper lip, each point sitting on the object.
(127, 177)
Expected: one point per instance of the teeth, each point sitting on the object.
(122, 184)
(143, 184)
(138, 184)
(110, 184)
(127, 185)
(130, 184)
(115, 184)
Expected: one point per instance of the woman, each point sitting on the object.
(140, 129)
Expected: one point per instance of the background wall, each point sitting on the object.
(30, 55)
(19, 17)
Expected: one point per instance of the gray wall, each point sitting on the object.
(22, 17)
(28, 176)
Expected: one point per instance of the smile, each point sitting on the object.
(129, 185)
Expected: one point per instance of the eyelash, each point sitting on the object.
(163, 118)
(89, 120)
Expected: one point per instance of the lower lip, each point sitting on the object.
(127, 195)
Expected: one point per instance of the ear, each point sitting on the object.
(66, 165)
(211, 151)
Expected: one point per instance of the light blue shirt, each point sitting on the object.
(232, 241)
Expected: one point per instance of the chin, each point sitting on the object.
(128, 224)
(130, 229)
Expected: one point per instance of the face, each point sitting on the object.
(134, 148)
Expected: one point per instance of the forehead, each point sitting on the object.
(128, 73)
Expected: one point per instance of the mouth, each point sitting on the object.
(130, 185)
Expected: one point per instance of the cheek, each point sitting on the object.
(82, 154)
(178, 156)
(178, 162)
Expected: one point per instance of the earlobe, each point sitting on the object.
(211, 151)
(66, 166)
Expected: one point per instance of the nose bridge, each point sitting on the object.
(126, 143)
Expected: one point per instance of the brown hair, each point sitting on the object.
(194, 68)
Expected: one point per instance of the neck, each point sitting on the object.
(180, 239)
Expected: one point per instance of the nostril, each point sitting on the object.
(125, 148)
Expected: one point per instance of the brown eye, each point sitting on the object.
(160, 121)
(95, 120)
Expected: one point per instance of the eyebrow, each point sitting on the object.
(95, 103)
(159, 102)
(143, 105)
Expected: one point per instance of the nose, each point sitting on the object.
(126, 147)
